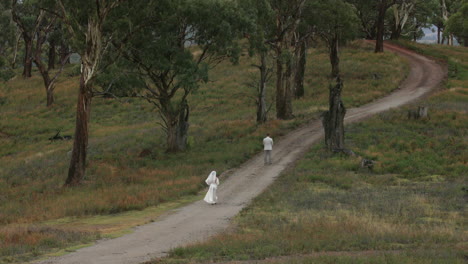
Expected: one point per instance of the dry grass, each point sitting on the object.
(413, 204)
(119, 177)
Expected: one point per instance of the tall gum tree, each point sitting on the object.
(29, 18)
(173, 51)
(45, 29)
(457, 24)
(288, 15)
(301, 55)
(365, 10)
(382, 7)
(261, 16)
(302, 37)
(335, 21)
(36, 20)
(85, 21)
(401, 13)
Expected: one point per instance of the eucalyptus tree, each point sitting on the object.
(44, 33)
(422, 17)
(35, 24)
(54, 38)
(173, 51)
(444, 15)
(441, 15)
(28, 17)
(302, 37)
(91, 28)
(410, 16)
(457, 24)
(335, 21)
(438, 22)
(261, 15)
(365, 10)
(402, 12)
(287, 15)
(382, 7)
(451, 7)
(399, 17)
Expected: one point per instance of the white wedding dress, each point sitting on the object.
(213, 182)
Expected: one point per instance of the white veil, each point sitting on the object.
(211, 178)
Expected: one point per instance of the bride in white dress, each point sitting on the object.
(213, 182)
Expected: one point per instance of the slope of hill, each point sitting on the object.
(119, 177)
(410, 208)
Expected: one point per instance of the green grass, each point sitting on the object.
(222, 135)
(411, 208)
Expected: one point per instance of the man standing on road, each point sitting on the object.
(268, 147)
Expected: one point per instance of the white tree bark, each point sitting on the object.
(401, 12)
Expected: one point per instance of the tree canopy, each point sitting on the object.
(457, 24)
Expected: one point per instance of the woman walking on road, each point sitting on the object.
(213, 182)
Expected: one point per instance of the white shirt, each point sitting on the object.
(268, 143)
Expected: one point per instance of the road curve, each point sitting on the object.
(198, 221)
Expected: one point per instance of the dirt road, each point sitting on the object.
(199, 220)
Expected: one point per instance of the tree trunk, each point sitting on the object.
(64, 51)
(52, 55)
(288, 89)
(77, 168)
(177, 127)
(183, 126)
(89, 64)
(333, 119)
(401, 13)
(90, 59)
(261, 100)
(286, 25)
(28, 58)
(334, 59)
(300, 70)
(380, 26)
(49, 84)
(15, 51)
(438, 35)
(50, 96)
(396, 33)
(283, 88)
(420, 113)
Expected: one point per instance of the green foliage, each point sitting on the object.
(75, 70)
(114, 81)
(332, 18)
(6, 73)
(168, 66)
(261, 17)
(458, 23)
(366, 11)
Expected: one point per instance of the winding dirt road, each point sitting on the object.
(198, 221)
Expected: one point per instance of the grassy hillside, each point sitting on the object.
(411, 208)
(38, 215)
